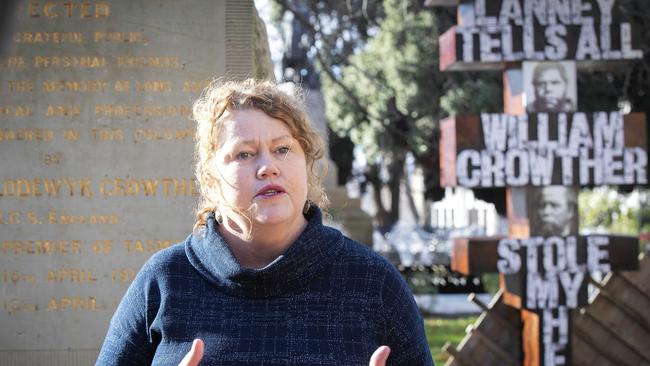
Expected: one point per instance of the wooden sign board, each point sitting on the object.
(499, 150)
(555, 272)
(490, 34)
(552, 149)
(480, 255)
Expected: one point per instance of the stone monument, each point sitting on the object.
(96, 152)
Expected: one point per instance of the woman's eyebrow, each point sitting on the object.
(254, 141)
(283, 137)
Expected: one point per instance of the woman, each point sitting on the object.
(261, 281)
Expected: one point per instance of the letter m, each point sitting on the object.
(541, 293)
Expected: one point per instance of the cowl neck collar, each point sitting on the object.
(313, 251)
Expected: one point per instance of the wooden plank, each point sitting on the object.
(531, 338)
(492, 324)
(635, 134)
(637, 303)
(635, 344)
(505, 357)
(632, 284)
(586, 336)
(618, 315)
(498, 306)
(586, 355)
(623, 253)
(474, 352)
(613, 348)
(502, 324)
(469, 133)
(624, 308)
(462, 133)
(457, 134)
(642, 276)
(447, 49)
(448, 152)
(513, 91)
(475, 255)
(457, 357)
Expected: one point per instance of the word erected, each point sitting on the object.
(68, 9)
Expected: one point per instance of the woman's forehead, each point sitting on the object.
(252, 125)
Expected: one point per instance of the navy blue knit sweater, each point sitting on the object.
(327, 301)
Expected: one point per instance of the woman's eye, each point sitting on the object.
(283, 150)
(243, 155)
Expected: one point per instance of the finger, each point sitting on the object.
(380, 356)
(194, 356)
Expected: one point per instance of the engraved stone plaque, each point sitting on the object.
(96, 150)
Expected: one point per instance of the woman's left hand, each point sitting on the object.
(194, 356)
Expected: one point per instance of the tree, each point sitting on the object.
(387, 99)
(606, 210)
(327, 33)
(382, 84)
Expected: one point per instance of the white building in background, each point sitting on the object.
(460, 209)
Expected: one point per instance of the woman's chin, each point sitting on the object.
(273, 216)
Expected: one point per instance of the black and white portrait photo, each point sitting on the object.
(550, 86)
(553, 211)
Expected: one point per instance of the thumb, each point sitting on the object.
(194, 356)
(380, 356)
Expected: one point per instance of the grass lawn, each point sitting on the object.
(442, 330)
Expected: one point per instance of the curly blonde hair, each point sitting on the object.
(223, 96)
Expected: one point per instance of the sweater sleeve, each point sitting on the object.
(405, 326)
(129, 340)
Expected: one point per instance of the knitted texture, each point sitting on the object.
(326, 301)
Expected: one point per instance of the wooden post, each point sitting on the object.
(597, 252)
(540, 159)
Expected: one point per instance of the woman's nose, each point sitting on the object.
(267, 168)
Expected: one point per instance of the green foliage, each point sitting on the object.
(606, 210)
(473, 96)
(440, 331)
(395, 84)
(490, 282)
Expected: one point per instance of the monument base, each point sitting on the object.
(62, 357)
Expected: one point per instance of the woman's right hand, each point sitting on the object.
(194, 356)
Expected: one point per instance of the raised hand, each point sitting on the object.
(380, 356)
(194, 356)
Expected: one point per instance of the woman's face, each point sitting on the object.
(261, 168)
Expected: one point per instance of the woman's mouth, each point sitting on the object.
(269, 191)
